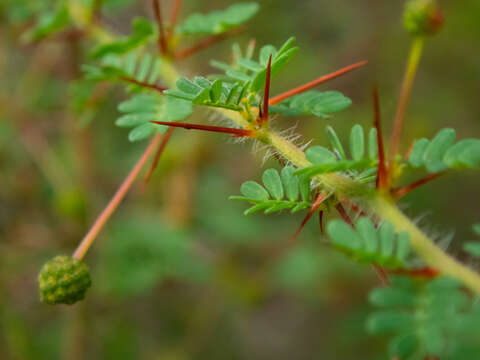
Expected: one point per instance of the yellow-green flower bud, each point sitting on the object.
(63, 280)
(422, 17)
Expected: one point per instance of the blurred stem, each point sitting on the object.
(116, 199)
(412, 66)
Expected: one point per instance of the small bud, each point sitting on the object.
(63, 280)
(422, 17)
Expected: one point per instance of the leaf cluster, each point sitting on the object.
(218, 22)
(361, 164)
(280, 191)
(367, 244)
(427, 318)
(443, 153)
(142, 109)
(201, 91)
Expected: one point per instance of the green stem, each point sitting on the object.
(412, 66)
(342, 186)
(425, 247)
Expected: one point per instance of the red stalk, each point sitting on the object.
(162, 41)
(219, 129)
(343, 214)
(318, 201)
(382, 173)
(320, 80)
(320, 220)
(205, 43)
(173, 17)
(144, 84)
(401, 192)
(165, 139)
(263, 119)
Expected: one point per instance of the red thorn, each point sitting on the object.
(219, 129)
(426, 272)
(162, 42)
(206, 43)
(144, 84)
(264, 117)
(320, 80)
(382, 173)
(320, 220)
(161, 148)
(318, 201)
(355, 208)
(343, 214)
(400, 192)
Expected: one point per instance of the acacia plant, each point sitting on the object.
(427, 299)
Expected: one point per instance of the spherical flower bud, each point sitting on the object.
(422, 17)
(63, 280)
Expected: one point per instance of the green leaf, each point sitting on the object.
(290, 183)
(318, 155)
(476, 229)
(389, 321)
(141, 132)
(418, 150)
(344, 236)
(433, 156)
(273, 183)
(254, 190)
(464, 154)
(202, 92)
(143, 31)
(313, 102)
(49, 23)
(403, 246)
(218, 22)
(357, 142)
(347, 165)
(335, 143)
(368, 233)
(392, 297)
(473, 248)
(143, 108)
(403, 346)
(387, 239)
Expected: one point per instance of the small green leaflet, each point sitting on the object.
(143, 108)
(366, 244)
(49, 23)
(473, 248)
(442, 153)
(317, 103)
(427, 318)
(144, 68)
(253, 73)
(202, 91)
(143, 31)
(218, 22)
(280, 192)
(329, 161)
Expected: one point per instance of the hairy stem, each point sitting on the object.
(116, 200)
(412, 66)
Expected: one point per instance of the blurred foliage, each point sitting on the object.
(179, 273)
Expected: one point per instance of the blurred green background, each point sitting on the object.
(179, 273)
